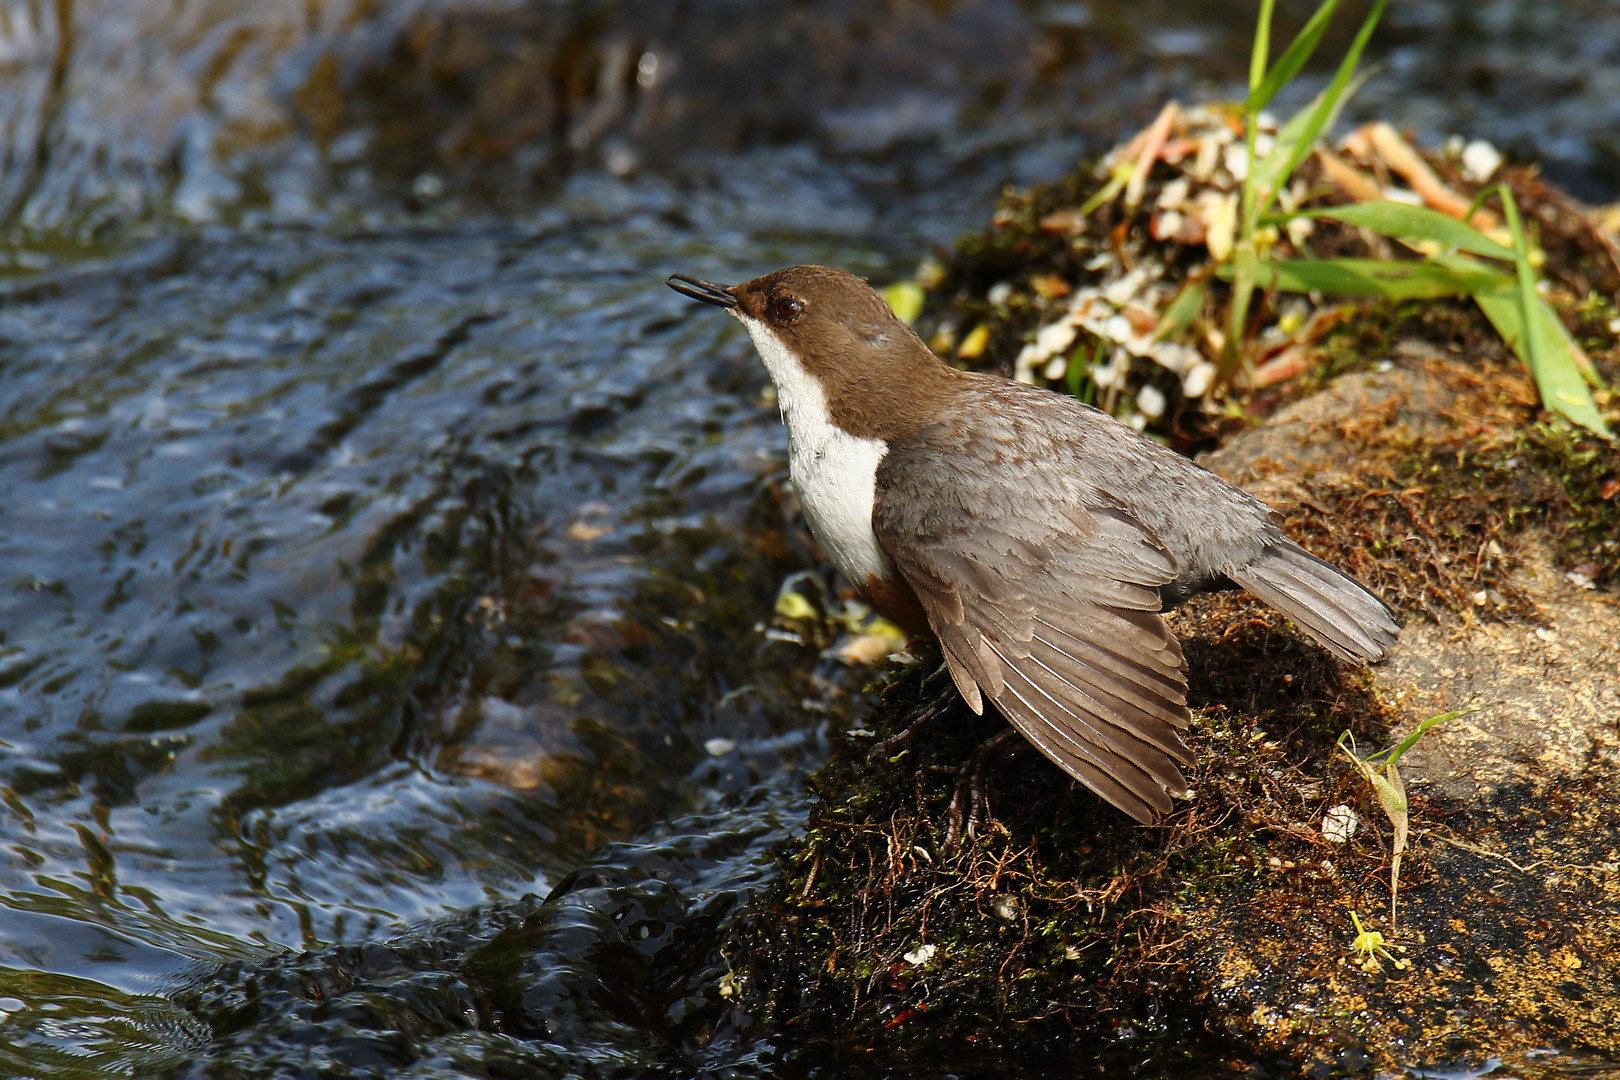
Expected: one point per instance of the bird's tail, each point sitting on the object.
(1349, 621)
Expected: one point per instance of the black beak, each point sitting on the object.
(707, 291)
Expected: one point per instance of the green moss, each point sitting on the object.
(1045, 924)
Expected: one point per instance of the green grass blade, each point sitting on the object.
(1316, 117)
(1107, 193)
(1545, 352)
(1415, 224)
(1183, 309)
(1080, 385)
(1392, 755)
(1293, 58)
(1276, 167)
(1242, 271)
(1559, 382)
(1261, 50)
(1375, 277)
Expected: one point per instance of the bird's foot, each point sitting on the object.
(968, 806)
(928, 713)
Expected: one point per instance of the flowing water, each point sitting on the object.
(387, 558)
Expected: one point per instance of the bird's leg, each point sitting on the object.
(968, 806)
(932, 711)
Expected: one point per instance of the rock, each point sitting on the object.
(1545, 707)
(1510, 916)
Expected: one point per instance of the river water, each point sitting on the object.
(387, 559)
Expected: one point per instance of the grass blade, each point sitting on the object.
(1183, 309)
(1260, 52)
(1242, 272)
(1415, 224)
(1308, 126)
(1116, 183)
(1274, 169)
(1293, 58)
(1545, 352)
(1376, 277)
(1392, 755)
(1558, 378)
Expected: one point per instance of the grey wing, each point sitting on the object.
(1055, 620)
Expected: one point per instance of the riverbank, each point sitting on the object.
(1410, 450)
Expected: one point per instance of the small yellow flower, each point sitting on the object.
(1369, 945)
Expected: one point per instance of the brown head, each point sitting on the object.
(879, 379)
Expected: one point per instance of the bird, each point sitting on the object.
(1036, 539)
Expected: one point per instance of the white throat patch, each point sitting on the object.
(834, 473)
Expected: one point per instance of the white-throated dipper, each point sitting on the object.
(1035, 538)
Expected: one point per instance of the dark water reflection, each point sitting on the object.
(349, 582)
(373, 564)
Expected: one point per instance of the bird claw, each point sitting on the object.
(930, 712)
(968, 805)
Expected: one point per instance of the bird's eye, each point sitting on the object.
(786, 309)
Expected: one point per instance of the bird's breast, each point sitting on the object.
(835, 477)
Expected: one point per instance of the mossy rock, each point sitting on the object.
(1066, 940)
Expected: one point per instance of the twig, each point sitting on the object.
(1607, 868)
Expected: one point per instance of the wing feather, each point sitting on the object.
(1139, 796)
(1086, 715)
(1055, 621)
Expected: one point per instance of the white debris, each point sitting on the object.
(1198, 380)
(1219, 213)
(1024, 366)
(1580, 578)
(1480, 160)
(1113, 373)
(1056, 368)
(1121, 292)
(1118, 328)
(720, 747)
(1236, 159)
(1167, 224)
(1180, 359)
(1209, 152)
(1049, 342)
(1339, 824)
(1055, 338)
(1174, 194)
(998, 294)
(1291, 196)
(1151, 401)
(920, 955)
